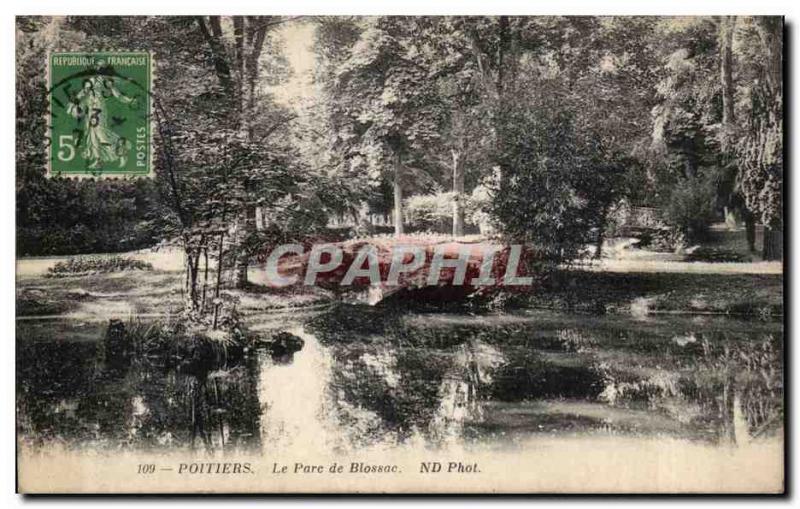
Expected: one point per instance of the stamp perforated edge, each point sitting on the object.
(150, 113)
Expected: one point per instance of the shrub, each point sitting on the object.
(64, 217)
(96, 265)
(714, 255)
(539, 191)
(479, 205)
(667, 239)
(174, 342)
(434, 212)
(691, 208)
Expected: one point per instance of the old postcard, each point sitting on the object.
(352, 254)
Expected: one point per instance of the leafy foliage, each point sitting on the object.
(543, 124)
(761, 149)
(535, 197)
(555, 181)
(61, 216)
(720, 117)
(434, 212)
(691, 208)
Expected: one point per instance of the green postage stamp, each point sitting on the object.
(99, 120)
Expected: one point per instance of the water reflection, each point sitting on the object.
(462, 392)
(366, 377)
(291, 396)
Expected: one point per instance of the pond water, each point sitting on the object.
(374, 377)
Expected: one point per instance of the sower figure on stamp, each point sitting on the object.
(91, 108)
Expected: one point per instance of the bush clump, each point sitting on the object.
(715, 255)
(666, 240)
(691, 208)
(96, 265)
(434, 212)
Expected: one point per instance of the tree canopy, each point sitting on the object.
(555, 121)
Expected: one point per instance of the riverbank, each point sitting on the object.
(140, 293)
(643, 293)
(627, 280)
(102, 296)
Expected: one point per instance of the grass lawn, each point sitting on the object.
(640, 293)
(640, 281)
(135, 292)
(626, 280)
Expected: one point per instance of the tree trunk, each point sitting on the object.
(773, 244)
(242, 257)
(750, 230)
(214, 40)
(241, 275)
(238, 38)
(205, 277)
(727, 25)
(194, 269)
(458, 194)
(601, 232)
(598, 252)
(398, 199)
(770, 30)
(503, 35)
(689, 166)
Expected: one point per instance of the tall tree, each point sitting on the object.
(325, 127)
(760, 152)
(449, 50)
(235, 49)
(390, 109)
(727, 25)
(730, 181)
